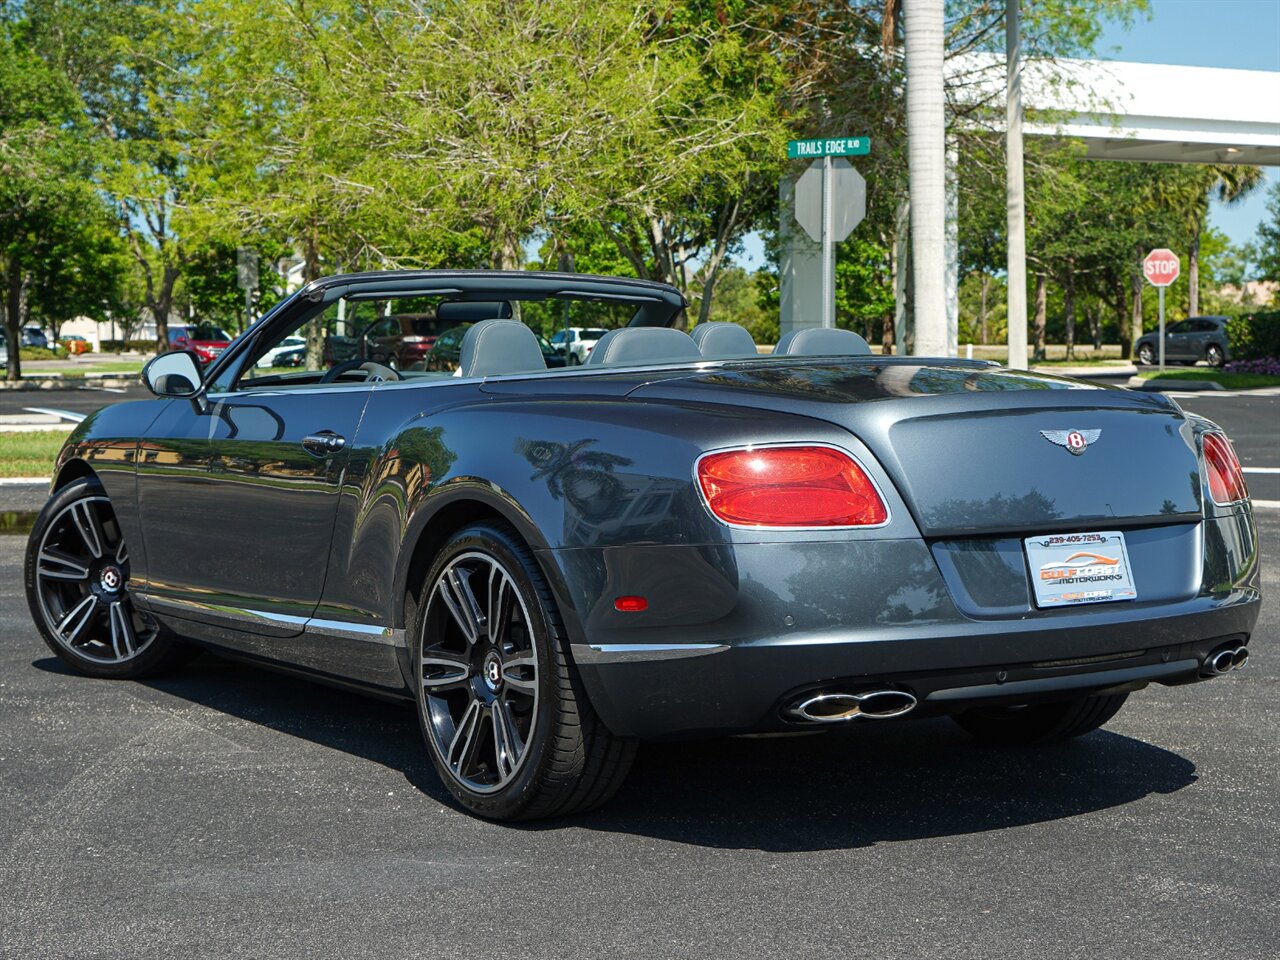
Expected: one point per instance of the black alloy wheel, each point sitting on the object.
(77, 582)
(1146, 355)
(1214, 356)
(509, 729)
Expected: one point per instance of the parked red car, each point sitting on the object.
(403, 339)
(206, 340)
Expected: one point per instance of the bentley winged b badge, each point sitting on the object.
(1076, 441)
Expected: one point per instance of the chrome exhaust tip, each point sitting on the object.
(1239, 657)
(840, 707)
(1220, 661)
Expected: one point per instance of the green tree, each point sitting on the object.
(1268, 242)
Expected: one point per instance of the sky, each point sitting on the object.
(1243, 34)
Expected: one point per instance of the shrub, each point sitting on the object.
(1254, 336)
(37, 353)
(1268, 366)
(120, 346)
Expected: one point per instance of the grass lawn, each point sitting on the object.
(30, 454)
(1231, 381)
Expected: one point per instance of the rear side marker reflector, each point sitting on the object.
(631, 604)
(1226, 479)
(789, 487)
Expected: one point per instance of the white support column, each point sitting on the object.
(924, 31)
(799, 267)
(1016, 226)
(952, 280)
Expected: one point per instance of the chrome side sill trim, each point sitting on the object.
(311, 626)
(640, 652)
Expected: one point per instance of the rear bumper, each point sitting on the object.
(734, 635)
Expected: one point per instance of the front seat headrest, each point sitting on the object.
(642, 345)
(471, 311)
(495, 347)
(723, 341)
(822, 342)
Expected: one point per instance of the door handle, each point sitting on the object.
(323, 443)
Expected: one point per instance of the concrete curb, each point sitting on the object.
(63, 383)
(1162, 384)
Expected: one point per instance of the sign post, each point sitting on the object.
(831, 199)
(1161, 267)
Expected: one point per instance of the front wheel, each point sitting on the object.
(1036, 723)
(77, 584)
(1214, 356)
(509, 728)
(1146, 355)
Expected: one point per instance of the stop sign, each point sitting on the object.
(1161, 267)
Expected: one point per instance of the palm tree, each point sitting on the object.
(923, 33)
(1229, 183)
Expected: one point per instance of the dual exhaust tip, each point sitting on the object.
(841, 707)
(1224, 660)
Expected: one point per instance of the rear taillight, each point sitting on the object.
(789, 487)
(1226, 479)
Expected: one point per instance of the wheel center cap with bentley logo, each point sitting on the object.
(111, 578)
(1076, 442)
(493, 672)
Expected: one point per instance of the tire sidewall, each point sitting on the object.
(503, 546)
(157, 651)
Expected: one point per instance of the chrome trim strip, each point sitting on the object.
(313, 626)
(594, 653)
(345, 630)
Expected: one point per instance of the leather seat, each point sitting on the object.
(822, 342)
(495, 347)
(637, 346)
(718, 340)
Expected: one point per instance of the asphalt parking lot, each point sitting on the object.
(226, 811)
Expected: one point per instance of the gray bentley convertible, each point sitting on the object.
(680, 537)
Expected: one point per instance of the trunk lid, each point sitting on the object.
(965, 443)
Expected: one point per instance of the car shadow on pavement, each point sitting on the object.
(873, 783)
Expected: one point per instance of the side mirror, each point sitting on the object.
(173, 374)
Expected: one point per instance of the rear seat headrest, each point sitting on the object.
(495, 347)
(723, 341)
(822, 342)
(641, 345)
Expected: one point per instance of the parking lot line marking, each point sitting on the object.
(23, 481)
(1261, 469)
(1267, 504)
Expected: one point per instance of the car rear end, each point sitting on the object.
(890, 539)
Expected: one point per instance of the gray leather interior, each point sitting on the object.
(471, 311)
(822, 342)
(641, 345)
(718, 340)
(495, 347)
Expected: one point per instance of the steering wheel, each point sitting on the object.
(373, 371)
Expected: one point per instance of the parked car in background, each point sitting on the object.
(4, 351)
(576, 343)
(34, 337)
(401, 340)
(1196, 338)
(447, 351)
(287, 347)
(204, 339)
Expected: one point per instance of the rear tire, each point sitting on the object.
(1037, 723)
(507, 723)
(1146, 355)
(76, 576)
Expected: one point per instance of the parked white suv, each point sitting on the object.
(577, 342)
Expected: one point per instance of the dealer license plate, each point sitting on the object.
(1071, 568)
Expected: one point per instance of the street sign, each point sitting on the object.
(848, 196)
(829, 147)
(831, 199)
(1161, 267)
(246, 269)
